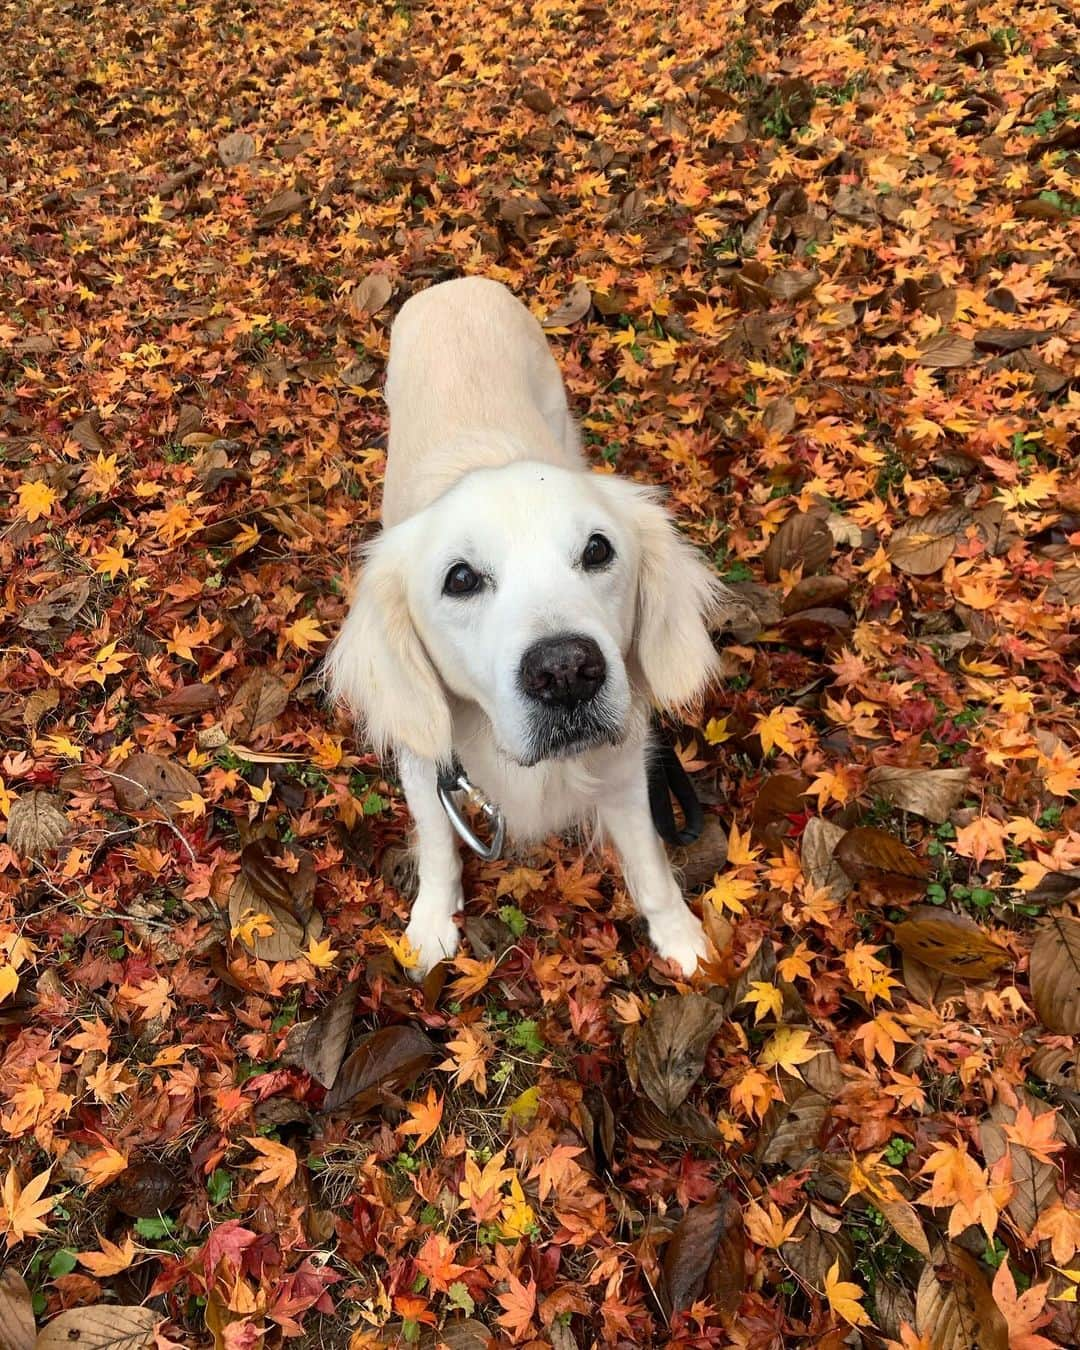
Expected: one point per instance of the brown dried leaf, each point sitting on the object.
(17, 1330)
(923, 546)
(103, 1327)
(931, 793)
(794, 284)
(820, 866)
(393, 1057)
(926, 986)
(35, 824)
(866, 851)
(1035, 1183)
(576, 305)
(291, 886)
(698, 863)
(146, 781)
(946, 350)
(816, 593)
(803, 538)
(949, 942)
(798, 1133)
(1055, 974)
(811, 1253)
(260, 699)
(60, 605)
(39, 704)
(372, 294)
(779, 416)
(280, 208)
(145, 1189)
(328, 1035)
(671, 1047)
(706, 1257)
(954, 1307)
(86, 432)
(686, 1123)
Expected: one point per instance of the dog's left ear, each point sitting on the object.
(677, 596)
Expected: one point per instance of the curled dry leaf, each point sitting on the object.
(391, 1058)
(372, 294)
(686, 1123)
(816, 593)
(951, 943)
(818, 850)
(802, 538)
(670, 1049)
(779, 416)
(40, 703)
(931, 793)
(17, 1330)
(867, 850)
(328, 1035)
(104, 1327)
(285, 941)
(60, 606)
(147, 782)
(1055, 974)
(280, 208)
(35, 824)
(280, 873)
(954, 1308)
(705, 1257)
(923, 546)
(260, 699)
(576, 305)
(798, 1134)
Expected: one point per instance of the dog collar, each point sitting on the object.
(453, 780)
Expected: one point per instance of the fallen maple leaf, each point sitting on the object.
(305, 633)
(276, 1166)
(1025, 1313)
(21, 1207)
(111, 1259)
(425, 1118)
(844, 1296)
(786, 1049)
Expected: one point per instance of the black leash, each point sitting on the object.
(667, 778)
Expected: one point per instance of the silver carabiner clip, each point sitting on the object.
(456, 781)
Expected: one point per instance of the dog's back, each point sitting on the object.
(471, 384)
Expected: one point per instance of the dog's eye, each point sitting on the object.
(461, 580)
(598, 552)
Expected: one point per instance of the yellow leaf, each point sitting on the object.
(777, 729)
(304, 633)
(276, 1166)
(716, 732)
(321, 955)
(36, 500)
(769, 1229)
(766, 998)
(522, 1108)
(21, 1207)
(844, 1297)
(405, 954)
(252, 926)
(729, 892)
(9, 981)
(262, 794)
(786, 1049)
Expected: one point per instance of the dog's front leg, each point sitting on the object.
(674, 930)
(431, 931)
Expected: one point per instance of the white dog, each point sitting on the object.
(517, 612)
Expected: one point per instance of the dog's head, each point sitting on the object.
(544, 597)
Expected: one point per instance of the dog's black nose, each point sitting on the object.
(567, 670)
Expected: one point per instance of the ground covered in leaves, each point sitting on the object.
(813, 268)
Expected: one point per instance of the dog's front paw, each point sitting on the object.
(433, 939)
(679, 937)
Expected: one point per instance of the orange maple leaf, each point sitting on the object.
(111, 1259)
(519, 1300)
(277, 1165)
(1035, 1133)
(21, 1207)
(425, 1118)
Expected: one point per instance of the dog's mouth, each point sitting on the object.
(562, 733)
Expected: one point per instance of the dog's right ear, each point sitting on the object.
(378, 668)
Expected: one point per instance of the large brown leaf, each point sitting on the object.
(798, 1132)
(803, 538)
(931, 793)
(1035, 1183)
(923, 546)
(145, 782)
(866, 851)
(35, 824)
(706, 1257)
(280, 873)
(954, 1307)
(17, 1330)
(285, 942)
(671, 1046)
(59, 606)
(372, 294)
(103, 1327)
(946, 350)
(818, 853)
(260, 699)
(949, 942)
(576, 305)
(145, 1189)
(686, 1123)
(390, 1058)
(328, 1035)
(1055, 974)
